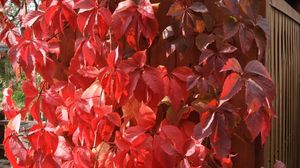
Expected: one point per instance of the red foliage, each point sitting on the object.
(99, 103)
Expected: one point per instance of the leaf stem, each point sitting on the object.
(54, 35)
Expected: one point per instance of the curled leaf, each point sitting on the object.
(198, 7)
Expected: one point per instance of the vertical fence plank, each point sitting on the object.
(269, 63)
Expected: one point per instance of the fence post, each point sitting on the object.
(2, 127)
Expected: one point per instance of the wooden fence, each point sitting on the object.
(283, 61)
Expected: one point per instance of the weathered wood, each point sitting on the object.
(4, 163)
(282, 60)
(285, 8)
(25, 124)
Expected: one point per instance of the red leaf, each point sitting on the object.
(176, 85)
(121, 19)
(246, 38)
(32, 17)
(259, 122)
(113, 80)
(81, 81)
(221, 138)
(160, 157)
(232, 64)
(168, 32)
(114, 118)
(266, 128)
(134, 135)
(231, 5)
(48, 111)
(173, 140)
(57, 13)
(198, 7)
(40, 138)
(206, 54)
(136, 22)
(68, 164)
(8, 105)
(230, 27)
(93, 19)
(176, 9)
(143, 78)
(184, 164)
(89, 53)
(231, 87)
(263, 24)
(248, 7)
(85, 5)
(83, 157)
(29, 89)
(227, 49)
(63, 150)
(254, 122)
(206, 125)
(144, 115)
(52, 97)
(94, 94)
(259, 87)
(14, 149)
(31, 51)
(259, 92)
(47, 70)
(257, 68)
(49, 13)
(182, 73)
(48, 161)
(226, 162)
(261, 42)
(137, 60)
(279, 164)
(121, 142)
(153, 79)
(255, 96)
(89, 72)
(203, 41)
(14, 123)
(50, 141)
(35, 111)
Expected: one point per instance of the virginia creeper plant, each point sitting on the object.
(100, 102)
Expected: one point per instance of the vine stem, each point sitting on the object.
(97, 154)
(54, 35)
(25, 6)
(110, 40)
(109, 31)
(36, 5)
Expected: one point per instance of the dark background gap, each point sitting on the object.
(295, 4)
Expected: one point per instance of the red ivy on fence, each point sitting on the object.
(99, 104)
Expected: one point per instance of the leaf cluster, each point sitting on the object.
(101, 103)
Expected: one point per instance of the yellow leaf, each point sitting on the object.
(131, 108)
(102, 152)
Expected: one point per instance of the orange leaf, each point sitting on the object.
(199, 26)
(175, 9)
